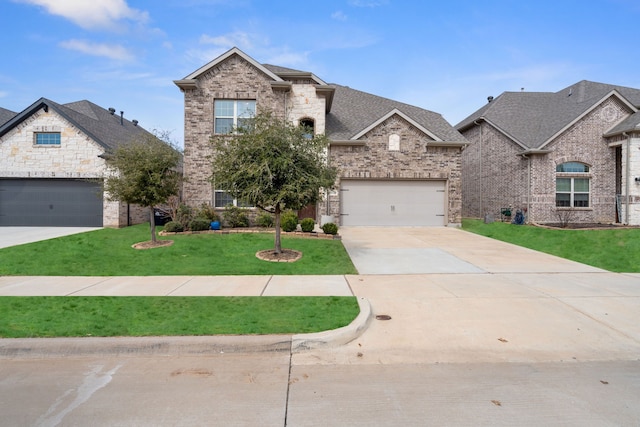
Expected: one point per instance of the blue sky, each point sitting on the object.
(445, 56)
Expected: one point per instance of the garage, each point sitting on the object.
(50, 202)
(392, 203)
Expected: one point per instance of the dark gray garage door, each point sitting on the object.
(392, 203)
(50, 202)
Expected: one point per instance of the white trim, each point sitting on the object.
(614, 92)
(404, 116)
(226, 55)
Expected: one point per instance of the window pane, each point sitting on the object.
(222, 199)
(48, 138)
(223, 125)
(580, 185)
(580, 200)
(246, 108)
(563, 184)
(563, 200)
(223, 108)
(572, 167)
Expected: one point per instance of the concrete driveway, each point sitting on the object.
(13, 236)
(457, 297)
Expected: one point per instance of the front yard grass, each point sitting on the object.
(37, 317)
(615, 250)
(108, 252)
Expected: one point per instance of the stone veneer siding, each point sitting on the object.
(496, 176)
(234, 78)
(77, 157)
(415, 160)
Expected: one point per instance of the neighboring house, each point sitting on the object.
(52, 165)
(572, 155)
(398, 164)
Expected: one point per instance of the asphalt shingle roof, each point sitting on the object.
(532, 118)
(354, 111)
(98, 123)
(6, 115)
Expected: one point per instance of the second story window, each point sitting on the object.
(230, 114)
(47, 138)
(309, 128)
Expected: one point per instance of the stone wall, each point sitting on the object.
(233, 78)
(77, 157)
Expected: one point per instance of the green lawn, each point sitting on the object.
(108, 252)
(30, 317)
(614, 250)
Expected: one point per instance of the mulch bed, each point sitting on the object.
(150, 244)
(585, 226)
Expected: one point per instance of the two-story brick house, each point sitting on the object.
(572, 155)
(52, 165)
(398, 164)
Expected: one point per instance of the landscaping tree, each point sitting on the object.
(272, 164)
(144, 173)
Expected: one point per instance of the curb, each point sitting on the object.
(335, 337)
(41, 348)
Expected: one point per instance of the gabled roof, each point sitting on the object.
(189, 82)
(533, 119)
(355, 112)
(5, 115)
(107, 129)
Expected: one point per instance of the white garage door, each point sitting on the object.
(392, 203)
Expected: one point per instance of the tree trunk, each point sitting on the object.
(278, 244)
(152, 223)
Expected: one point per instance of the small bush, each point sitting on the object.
(307, 225)
(235, 216)
(289, 221)
(184, 214)
(264, 220)
(207, 212)
(330, 228)
(173, 227)
(199, 224)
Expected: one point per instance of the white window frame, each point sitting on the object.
(234, 202)
(572, 176)
(236, 114)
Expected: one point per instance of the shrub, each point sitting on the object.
(199, 224)
(307, 225)
(207, 212)
(330, 228)
(173, 227)
(184, 214)
(289, 221)
(235, 216)
(264, 220)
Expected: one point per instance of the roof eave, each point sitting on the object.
(391, 113)
(186, 84)
(225, 56)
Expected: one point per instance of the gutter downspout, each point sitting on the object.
(627, 177)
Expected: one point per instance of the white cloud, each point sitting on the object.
(339, 16)
(111, 51)
(92, 14)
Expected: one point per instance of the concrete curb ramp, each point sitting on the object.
(38, 348)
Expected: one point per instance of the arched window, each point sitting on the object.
(572, 185)
(394, 142)
(309, 126)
